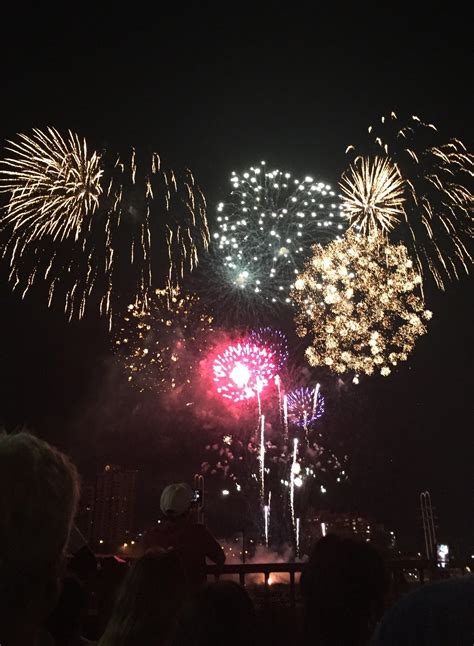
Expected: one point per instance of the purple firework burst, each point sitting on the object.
(305, 405)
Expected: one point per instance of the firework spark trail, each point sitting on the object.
(163, 208)
(267, 511)
(297, 537)
(294, 468)
(262, 459)
(315, 400)
(436, 221)
(285, 415)
(86, 224)
(265, 232)
(357, 302)
(280, 400)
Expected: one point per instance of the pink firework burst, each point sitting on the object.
(243, 370)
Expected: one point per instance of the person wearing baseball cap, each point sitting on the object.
(177, 531)
(176, 499)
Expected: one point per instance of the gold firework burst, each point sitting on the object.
(437, 224)
(373, 195)
(54, 183)
(161, 342)
(94, 230)
(358, 301)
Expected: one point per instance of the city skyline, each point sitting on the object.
(96, 512)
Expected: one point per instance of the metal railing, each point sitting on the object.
(267, 569)
(242, 570)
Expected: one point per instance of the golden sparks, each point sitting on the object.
(372, 195)
(358, 304)
(435, 220)
(92, 229)
(53, 184)
(161, 344)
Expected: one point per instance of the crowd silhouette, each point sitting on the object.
(162, 598)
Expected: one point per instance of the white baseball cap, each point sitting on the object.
(176, 499)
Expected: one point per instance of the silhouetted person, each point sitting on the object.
(65, 622)
(112, 572)
(38, 498)
(178, 531)
(220, 614)
(148, 602)
(82, 561)
(344, 585)
(436, 614)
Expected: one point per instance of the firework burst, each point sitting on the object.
(273, 465)
(265, 232)
(92, 228)
(161, 345)
(436, 218)
(305, 405)
(357, 300)
(373, 195)
(241, 371)
(53, 184)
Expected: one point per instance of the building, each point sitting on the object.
(350, 525)
(114, 508)
(85, 512)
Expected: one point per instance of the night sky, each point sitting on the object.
(218, 90)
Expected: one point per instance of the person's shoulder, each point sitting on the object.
(153, 535)
(434, 609)
(440, 592)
